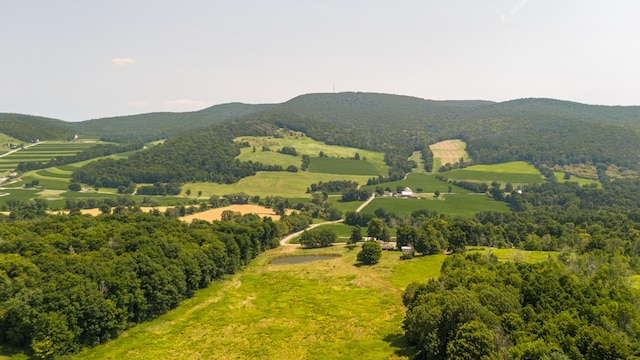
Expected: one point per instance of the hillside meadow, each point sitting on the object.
(305, 145)
(314, 310)
(514, 172)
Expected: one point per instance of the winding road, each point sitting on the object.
(284, 240)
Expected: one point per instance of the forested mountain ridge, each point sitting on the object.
(161, 125)
(29, 128)
(540, 131)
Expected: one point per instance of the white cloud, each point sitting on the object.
(120, 62)
(514, 9)
(186, 104)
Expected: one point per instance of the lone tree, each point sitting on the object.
(356, 235)
(371, 253)
(375, 228)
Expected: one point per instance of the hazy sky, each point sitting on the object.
(80, 59)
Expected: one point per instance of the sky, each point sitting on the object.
(77, 60)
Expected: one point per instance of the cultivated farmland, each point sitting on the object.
(449, 204)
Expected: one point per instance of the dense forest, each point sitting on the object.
(481, 309)
(31, 128)
(72, 281)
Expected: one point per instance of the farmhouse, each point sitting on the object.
(407, 192)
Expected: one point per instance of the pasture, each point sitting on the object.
(448, 204)
(314, 310)
(515, 172)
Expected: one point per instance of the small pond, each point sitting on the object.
(299, 259)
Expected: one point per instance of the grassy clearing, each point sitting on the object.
(342, 166)
(581, 181)
(315, 310)
(417, 157)
(449, 204)
(269, 157)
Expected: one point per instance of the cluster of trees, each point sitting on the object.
(427, 158)
(315, 238)
(91, 153)
(480, 308)
(306, 161)
(171, 188)
(476, 187)
(332, 186)
(74, 281)
(288, 150)
(354, 194)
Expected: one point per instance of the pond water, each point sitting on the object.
(299, 259)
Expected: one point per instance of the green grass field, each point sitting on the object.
(581, 181)
(515, 172)
(449, 204)
(328, 309)
(342, 166)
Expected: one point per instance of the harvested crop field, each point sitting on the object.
(449, 151)
(216, 214)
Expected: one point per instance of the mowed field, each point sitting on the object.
(514, 172)
(327, 309)
(448, 151)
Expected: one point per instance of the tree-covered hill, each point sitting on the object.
(541, 131)
(155, 126)
(29, 128)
